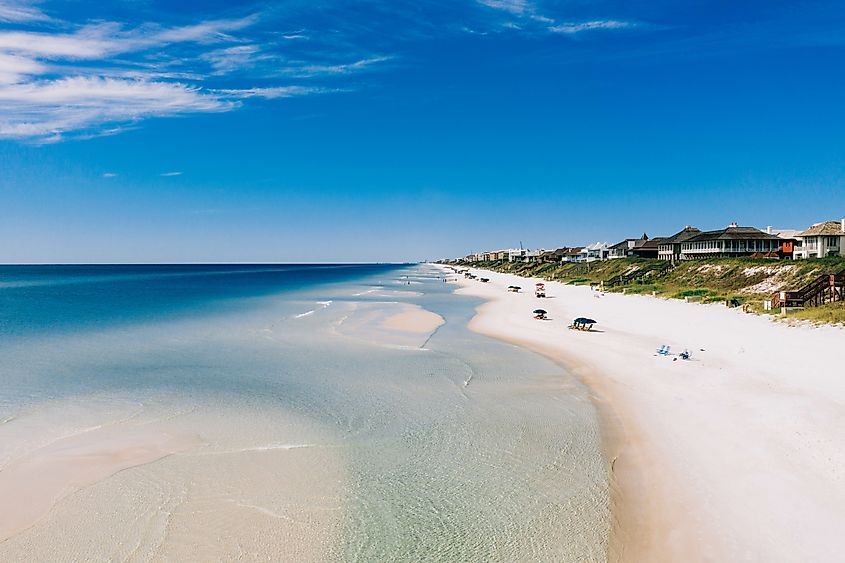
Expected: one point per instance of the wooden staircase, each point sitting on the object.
(824, 289)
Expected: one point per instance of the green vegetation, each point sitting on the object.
(829, 313)
(747, 280)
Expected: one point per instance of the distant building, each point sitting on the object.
(731, 241)
(642, 247)
(790, 243)
(822, 240)
(572, 254)
(669, 248)
(625, 248)
(593, 252)
(648, 249)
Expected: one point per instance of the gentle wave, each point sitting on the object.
(312, 311)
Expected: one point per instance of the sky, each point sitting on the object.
(385, 130)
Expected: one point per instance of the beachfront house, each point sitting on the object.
(648, 249)
(669, 248)
(554, 256)
(625, 248)
(516, 254)
(642, 247)
(534, 255)
(593, 252)
(572, 254)
(821, 240)
(731, 242)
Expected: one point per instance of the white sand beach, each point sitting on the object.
(737, 454)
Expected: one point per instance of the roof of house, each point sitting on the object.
(623, 244)
(824, 228)
(637, 242)
(732, 233)
(573, 251)
(786, 233)
(685, 234)
(651, 244)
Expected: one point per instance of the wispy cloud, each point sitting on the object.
(229, 59)
(62, 79)
(512, 6)
(276, 92)
(49, 109)
(11, 11)
(170, 174)
(526, 15)
(572, 28)
(339, 68)
(99, 79)
(109, 175)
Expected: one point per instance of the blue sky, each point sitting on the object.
(389, 131)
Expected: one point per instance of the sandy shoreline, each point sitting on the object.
(734, 455)
(34, 483)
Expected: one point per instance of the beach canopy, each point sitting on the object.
(514, 287)
(539, 284)
(584, 321)
(539, 312)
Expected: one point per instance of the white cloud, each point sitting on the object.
(47, 110)
(109, 38)
(589, 26)
(277, 92)
(524, 15)
(109, 175)
(343, 68)
(11, 11)
(204, 32)
(14, 68)
(516, 7)
(59, 80)
(170, 174)
(88, 43)
(234, 58)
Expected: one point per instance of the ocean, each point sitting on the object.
(283, 413)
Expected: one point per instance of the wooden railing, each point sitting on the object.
(824, 289)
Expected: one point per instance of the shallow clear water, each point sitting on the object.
(317, 436)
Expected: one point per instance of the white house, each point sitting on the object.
(595, 251)
(822, 240)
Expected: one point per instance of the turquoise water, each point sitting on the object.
(318, 437)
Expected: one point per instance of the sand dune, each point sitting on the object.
(737, 454)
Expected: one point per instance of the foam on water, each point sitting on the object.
(314, 444)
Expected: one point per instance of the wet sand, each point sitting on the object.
(34, 483)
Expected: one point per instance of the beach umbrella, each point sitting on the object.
(585, 321)
(539, 312)
(539, 284)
